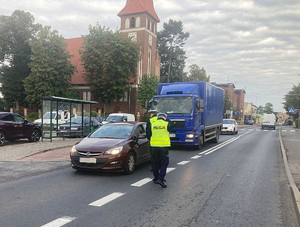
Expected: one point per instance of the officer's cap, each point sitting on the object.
(162, 115)
(152, 111)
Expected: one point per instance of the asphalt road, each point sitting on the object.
(240, 181)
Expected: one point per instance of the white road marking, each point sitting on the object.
(242, 129)
(293, 131)
(221, 146)
(226, 142)
(107, 199)
(183, 163)
(196, 157)
(266, 130)
(284, 130)
(59, 222)
(170, 169)
(141, 182)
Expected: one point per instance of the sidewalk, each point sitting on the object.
(290, 147)
(24, 149)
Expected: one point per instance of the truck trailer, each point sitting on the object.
(196, 108)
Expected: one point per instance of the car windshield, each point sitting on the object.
(47, 115)
(114, 131)
(114, 118)
(173, 105)
(228, 122)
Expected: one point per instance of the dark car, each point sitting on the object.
(13, 126)
(114, 146)
(77, 127)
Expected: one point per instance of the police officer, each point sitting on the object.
(160, 144)
(153, 117)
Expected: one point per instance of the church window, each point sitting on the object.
(132, 22)
(138, 22)
(127, 23)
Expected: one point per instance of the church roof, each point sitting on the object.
(139, 6)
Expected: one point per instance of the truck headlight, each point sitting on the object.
(114, 151)
(190, 136)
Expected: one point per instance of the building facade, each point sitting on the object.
(139, 22)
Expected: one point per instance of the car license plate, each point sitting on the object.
(88, 160)
(172, 135)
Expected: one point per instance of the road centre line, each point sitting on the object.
(170, 169)
(227, 141)
(59, 222)
(107, 199)
(196, 157)
(141, 182)
(183, 163)
(221, 146)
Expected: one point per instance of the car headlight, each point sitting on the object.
(190, 136)
(114, 151)
(73, 149)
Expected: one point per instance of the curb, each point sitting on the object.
(294, 190)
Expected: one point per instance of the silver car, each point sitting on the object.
(229, 126)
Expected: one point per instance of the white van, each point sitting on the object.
(119, 117)
(268, 121)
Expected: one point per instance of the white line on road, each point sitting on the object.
(59, 222)
(141, 182)
(170, 169)
(284, 130)
(107, 199)
(183, 163)
(227, 141)
(293, 131)
(196, 157)
(221, 146)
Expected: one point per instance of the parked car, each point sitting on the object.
(250, 122)
(78, 127)
(230, 126)
(113, 146)
(119, 117)
(58, 117)
(13, 126)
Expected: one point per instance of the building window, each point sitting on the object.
(89, 96)
(138, 22)
(84, 96)
(127, 23)
(132, 22)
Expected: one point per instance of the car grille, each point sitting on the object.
(178, 123)
(89, 154)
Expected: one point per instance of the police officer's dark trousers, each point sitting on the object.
(160, 162)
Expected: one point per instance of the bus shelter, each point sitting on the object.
(63, 117)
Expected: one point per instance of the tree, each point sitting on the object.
(50, 68)
(292, 99)
(170, 46)
(196, 74)
(109, 60)
(260, 110)
(227, 105)
(268, 108)
(147, 89)
(16, 31)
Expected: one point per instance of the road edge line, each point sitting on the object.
(294, 190)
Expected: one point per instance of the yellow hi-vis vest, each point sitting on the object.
(160, 135)
(152, 119)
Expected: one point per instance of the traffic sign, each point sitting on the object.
(235, 112)
(292, 110)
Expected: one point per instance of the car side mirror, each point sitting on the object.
(26, 121)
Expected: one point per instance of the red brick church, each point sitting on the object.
(139, 21)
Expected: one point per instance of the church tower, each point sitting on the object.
(139, 21)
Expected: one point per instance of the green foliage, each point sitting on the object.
(260, 110)
(268, 108)
(109, 60)
(292, 99)
(196, 74)
(16, 31)
(50, 68)
(170, 45)
(33, 116)
(147, 89)
(3, 105)
(94, 113)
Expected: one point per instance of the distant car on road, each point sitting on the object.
(13, 126)
(78, 127)
(230, 126)
(268, 121)
(250, 122)
(114, 146)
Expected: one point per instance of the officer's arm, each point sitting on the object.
(171, 125)
(148, 130)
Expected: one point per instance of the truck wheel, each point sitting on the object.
(216, 140)
(201, 142)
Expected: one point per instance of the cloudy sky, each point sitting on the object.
(254, 44)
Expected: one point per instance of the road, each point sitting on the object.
(240, 181)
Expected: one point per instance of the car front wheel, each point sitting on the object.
(2, 138)
(35, 136)
(130, 163)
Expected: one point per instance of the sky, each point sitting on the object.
(254, 44)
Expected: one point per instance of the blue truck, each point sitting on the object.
(196, 108)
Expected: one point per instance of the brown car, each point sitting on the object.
(13, 126)
(114, 146)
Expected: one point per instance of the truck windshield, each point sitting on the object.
(173, 105)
